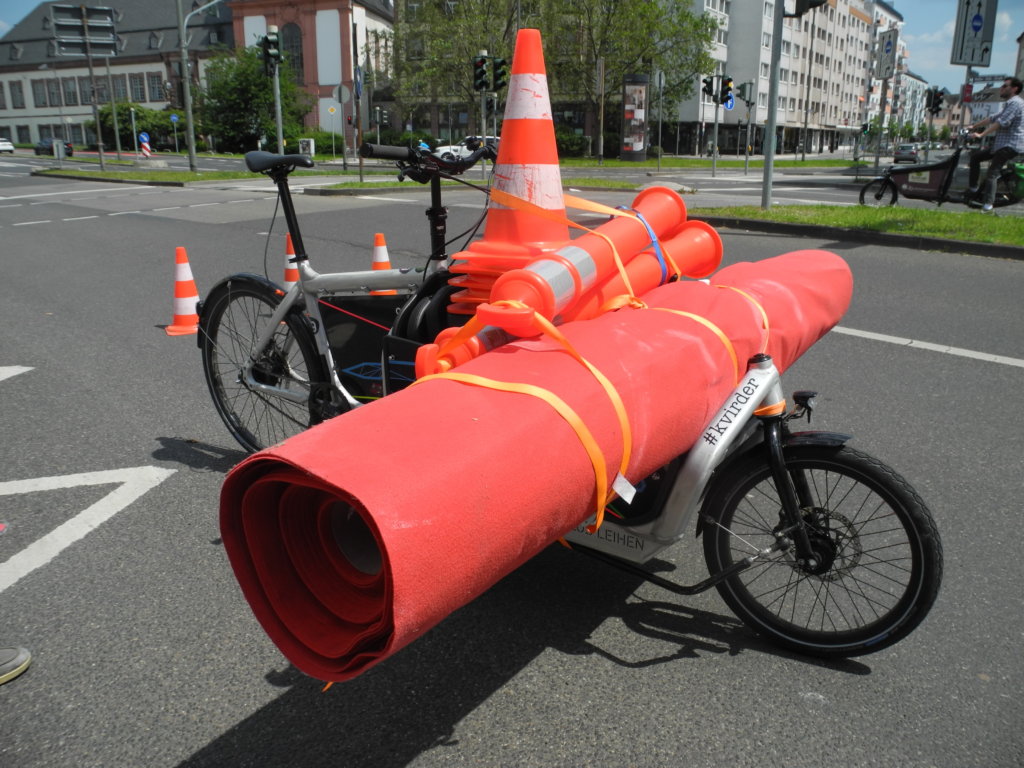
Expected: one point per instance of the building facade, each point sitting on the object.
(46, 93)
(826, 89)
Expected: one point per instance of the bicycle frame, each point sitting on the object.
(731, 425)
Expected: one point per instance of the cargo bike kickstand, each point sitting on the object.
(272, 361)
(816, 546)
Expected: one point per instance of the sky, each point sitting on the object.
(928, 30)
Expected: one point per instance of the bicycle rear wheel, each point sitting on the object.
(877, 551)
(878, 193)
(234, 314)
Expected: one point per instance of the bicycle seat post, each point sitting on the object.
(438, 216)
(280, 178)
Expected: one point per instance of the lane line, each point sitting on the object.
(944, 349)
(81, 218)
(7, 371)
(26, 223)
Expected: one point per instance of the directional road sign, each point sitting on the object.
(975, 28)
(729, 102)
(887, 42)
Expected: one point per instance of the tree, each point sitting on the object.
(435, 46)
(154, 122)
(237, 104)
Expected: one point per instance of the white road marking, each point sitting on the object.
(133, 482)
(7, 371)
(26, 223)
(943, 348)
(81, 218)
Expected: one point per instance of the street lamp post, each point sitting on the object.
(190, 138)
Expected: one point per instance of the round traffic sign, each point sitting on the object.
(174, 118)
(729, 102)
(332, 110)
(144, 137)
(977, 22)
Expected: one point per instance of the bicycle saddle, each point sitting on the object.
(258, 161)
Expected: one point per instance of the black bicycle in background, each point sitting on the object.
(934, 181)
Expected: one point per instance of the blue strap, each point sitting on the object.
(654, 242)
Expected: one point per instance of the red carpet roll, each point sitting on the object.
(356, 537)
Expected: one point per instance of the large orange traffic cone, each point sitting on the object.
(381, 260)
(526, 168)
(185, 297)
(291, 272)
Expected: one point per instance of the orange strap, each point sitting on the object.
(590, 445)
(757, 305)
(726, 341)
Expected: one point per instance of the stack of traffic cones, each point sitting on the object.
(291, 272)
(186, 297)
(381, 260)
(527, 168)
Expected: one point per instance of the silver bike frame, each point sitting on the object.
(313, 286)
(732, 423)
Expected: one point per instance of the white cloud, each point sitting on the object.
(1003, 30)
(944, 34)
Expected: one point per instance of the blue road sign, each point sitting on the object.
(729, 102)
(174, 118)
(144, 137)
(977, 22)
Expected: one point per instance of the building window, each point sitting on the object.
(24, 135)
(53, 92)
(70, 91)
(766, 40)
(17, 96)
(155, 81)
(85, 90)
(291, 47)
(766, 69)
(120, 88)
(3, 101)
(39, 93)
(138, 87)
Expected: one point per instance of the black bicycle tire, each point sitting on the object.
(255, 419)
(858, 592)
(885, 184)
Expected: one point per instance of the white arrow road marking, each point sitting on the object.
(133, 483)
(7, 371)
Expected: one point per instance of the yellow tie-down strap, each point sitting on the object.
(603, 494)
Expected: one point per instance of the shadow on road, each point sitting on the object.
(412, 702)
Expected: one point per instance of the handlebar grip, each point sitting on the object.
(385, 152)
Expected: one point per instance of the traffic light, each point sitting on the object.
(273, 44)
(480, 79)
(745, 91)
(490, 104)
(726, 90)
(864, 128)
(933, 100)
(709, 86)
(499, 75)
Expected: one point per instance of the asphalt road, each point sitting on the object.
(147, 655)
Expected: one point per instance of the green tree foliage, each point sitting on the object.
(434, 47)
(237, 105)
(156, 123)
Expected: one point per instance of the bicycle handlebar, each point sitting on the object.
(410, 159)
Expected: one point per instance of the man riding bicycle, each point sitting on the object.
(1008, 126)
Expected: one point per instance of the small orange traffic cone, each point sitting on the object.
(291, 272)
(185, 297)
(381, 260)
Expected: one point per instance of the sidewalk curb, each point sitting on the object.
(867, 237)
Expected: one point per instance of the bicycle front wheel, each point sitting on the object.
(289, 384)
(878, 193)
(878, 558)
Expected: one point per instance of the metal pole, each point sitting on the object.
(714, 142)
(882, 104)
(807, 92)
(135, 135)
(113, 109)
(186, 79)
(661, 106)
(92, 81)
(600, 111)
(357, 93)
(278, 125)
(773, 102)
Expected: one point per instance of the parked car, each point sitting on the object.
(6, 146)
(45, 147)
(464, 148)
(905, 153)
